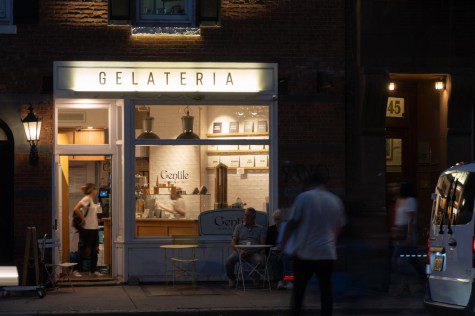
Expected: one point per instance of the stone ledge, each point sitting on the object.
(165, 30)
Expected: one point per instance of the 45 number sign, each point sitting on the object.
(395, 107)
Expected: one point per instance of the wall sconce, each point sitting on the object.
(391, 86)
(32, 125)
(439, 85)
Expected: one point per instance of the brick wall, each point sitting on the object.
(306, 38)
(32, 184)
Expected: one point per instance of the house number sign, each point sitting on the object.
(395, 107)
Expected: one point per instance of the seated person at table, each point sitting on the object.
(279, 262)
(246, 233)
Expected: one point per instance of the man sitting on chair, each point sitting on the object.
(246, 233)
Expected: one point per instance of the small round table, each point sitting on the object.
(254, 267)
(177, 262)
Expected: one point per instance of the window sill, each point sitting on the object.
(7, 29)
(165, 30)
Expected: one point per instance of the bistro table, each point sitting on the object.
(177, 263)
(254, 267)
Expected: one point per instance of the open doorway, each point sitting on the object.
(6, 195)
(76, 171)
(416, 138)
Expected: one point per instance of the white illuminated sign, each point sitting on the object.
(164, 77)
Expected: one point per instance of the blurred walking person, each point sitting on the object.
(310, 237)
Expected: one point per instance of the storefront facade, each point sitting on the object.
(305, 132)
(234, 106)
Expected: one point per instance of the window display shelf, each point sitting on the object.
(237, 134)
(245, 168)
(242, 151)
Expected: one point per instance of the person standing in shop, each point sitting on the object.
(86, 210)
(178, 205)
(310, 238)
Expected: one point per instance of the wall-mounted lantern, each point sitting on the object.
(32, 125)
(439, 85)
(392, 86)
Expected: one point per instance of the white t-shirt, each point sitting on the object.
(320, 216)
(403, 208)
(91, 218)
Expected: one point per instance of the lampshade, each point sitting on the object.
(187, 125)
(32, 125)
(147, 133)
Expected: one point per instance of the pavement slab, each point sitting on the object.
(205, 300)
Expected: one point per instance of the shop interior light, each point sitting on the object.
(147, 129)
(187, 124)
(391, 86)
(439, 85)
(32, 125)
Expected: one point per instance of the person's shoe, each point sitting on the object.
(98, 274)
(77, 274)
(231, 283)
(280, 285)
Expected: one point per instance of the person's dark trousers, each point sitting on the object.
(90, 245)
(303, 271)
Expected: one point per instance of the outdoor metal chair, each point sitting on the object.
(50, 268)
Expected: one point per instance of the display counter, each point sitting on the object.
(148, 227)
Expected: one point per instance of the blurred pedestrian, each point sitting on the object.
(405, 220)
(310, 237)
(279, 261)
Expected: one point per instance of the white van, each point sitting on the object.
(452, 242)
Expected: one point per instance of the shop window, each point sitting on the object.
(83, 126)
(179, 13)
(175, 181)
(6, 17)
(164, 11)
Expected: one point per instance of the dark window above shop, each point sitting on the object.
(165, 16)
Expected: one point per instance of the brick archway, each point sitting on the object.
(6, 195)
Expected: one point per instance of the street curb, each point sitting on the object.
(219, 312)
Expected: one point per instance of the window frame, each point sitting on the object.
(129, 197)
(107, 149)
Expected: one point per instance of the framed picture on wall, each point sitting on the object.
(234, 127)
(248, 126)
(262, 126)
(217, 127)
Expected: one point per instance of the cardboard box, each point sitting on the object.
(246, 161)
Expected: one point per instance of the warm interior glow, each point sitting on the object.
(32, 130)
(439, 85)
(391, 86)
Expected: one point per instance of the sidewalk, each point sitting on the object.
(205, 300)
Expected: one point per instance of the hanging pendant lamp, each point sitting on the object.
(147, 133)
(187, 124)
